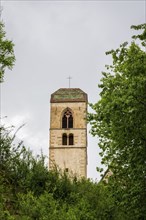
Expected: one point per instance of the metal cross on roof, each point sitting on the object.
(69, 78)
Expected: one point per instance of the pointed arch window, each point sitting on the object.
(64, 139)
(71, 139)
(67, 119)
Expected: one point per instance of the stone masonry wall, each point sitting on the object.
(72, 157)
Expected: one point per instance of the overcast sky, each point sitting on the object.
(54, 40)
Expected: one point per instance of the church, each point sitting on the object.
(68, 131)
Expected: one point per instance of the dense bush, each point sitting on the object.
(29, 191)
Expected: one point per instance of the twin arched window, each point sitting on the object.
(67, 119)
(67, 140)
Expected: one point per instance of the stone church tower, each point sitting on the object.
(68, 131)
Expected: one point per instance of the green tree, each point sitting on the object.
(7, 57)
(20, 171)
(29, 191)
(119, 119)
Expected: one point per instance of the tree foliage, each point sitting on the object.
(7, 57)
(29, 191)
(119, 119)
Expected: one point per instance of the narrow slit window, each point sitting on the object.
(71, 139)
(66, 170)
(64, 139)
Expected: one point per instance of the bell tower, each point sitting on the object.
(68, 131)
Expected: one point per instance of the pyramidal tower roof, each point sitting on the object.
(69, 95)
